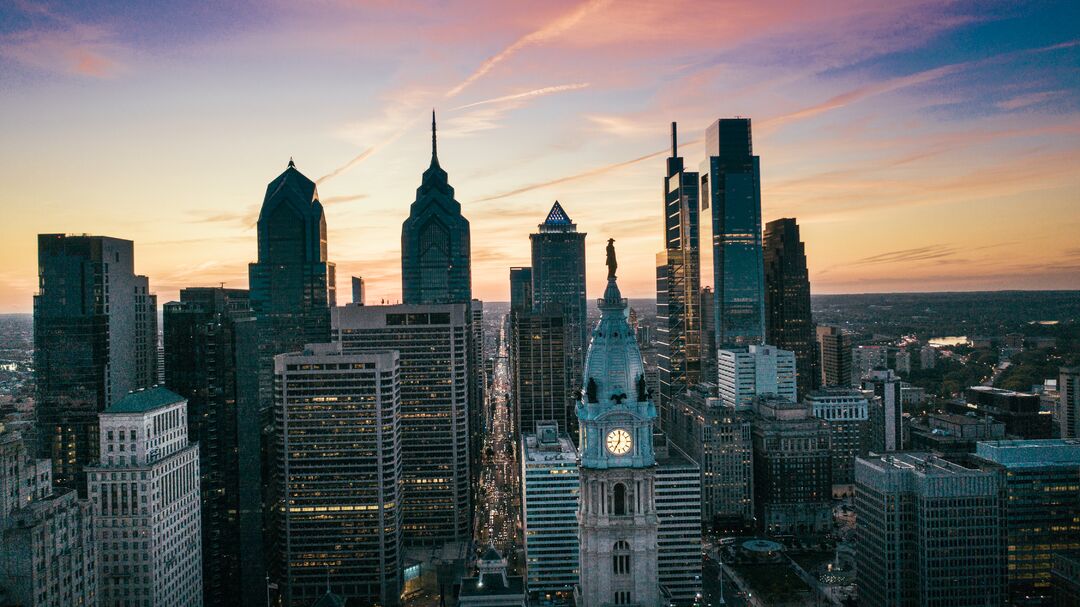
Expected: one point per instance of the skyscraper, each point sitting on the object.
(678, 285)
(678, 509)
(339, 453)
(787, 301)
(205, 357)
(540, 372)
(618, 522)
(558, 279)
(550, 487)
(435, 258)
(731, 187)
(755, 371)
(145, 490)
(521, 294)
(432, 341)
(358, 290)
(95, 339)
(834, 354)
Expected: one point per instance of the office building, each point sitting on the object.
(338, 429)
(847, 412)
(788, 324)
(358, 290)
(708, 335)
(540, 371)
(678, 285)
(754, 371)
(718, 438)
(1042, 507)
(617, 520)
(951, 434)
(834, 354)
(1021, 412)
(929, 533)
(521, 289)
(1068, 409)
(549, 504)
(1065, 579)
(47, 555)
(207, 353)
(145, 490)
(436, 266)
(792, 468)
(95, 339)
(558, 280)
(432, 341)
(731, 188)
(886, 411)
(678, 509)
(865, 359)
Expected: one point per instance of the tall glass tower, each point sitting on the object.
(435, 260)
(787, 300)
(731, 187)
(678, 284)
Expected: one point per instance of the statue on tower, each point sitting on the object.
(612, 263)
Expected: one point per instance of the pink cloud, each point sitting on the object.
(78, 50)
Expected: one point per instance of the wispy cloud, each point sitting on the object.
(1027, 100)
(338, 199)
(547, 90)
(74, 49)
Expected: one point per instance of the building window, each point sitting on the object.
(620, 499)
(620, 558)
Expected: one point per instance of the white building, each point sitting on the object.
(886, 410)
(338, 435)
(678, 506)
(755, 371)
(46, 542)
(145, 491)
(549, 502)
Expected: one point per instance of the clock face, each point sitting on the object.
(619, 441)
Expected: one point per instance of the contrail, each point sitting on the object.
(590, 173)
(547, 90)
(543, 34)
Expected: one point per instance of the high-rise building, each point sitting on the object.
(708, 335)
(788, 324)
(678, 509)
(755, 371)
(540, 371)
(47, 552)
(436, 264)
(477, 398)
(358, 291)
(847, 412)
(719, 439)
(731, 186)
(558, 280)
(866, 359)
(95, 339)
(792, 468)
(1065, 579)
(206, 354)
(618, 522)
(678, 285)
(930, 533)
(432, 341)
(521, 289)
(1042, 507)
(145, 490)
(339, 455)
(550, 487)
(1068, 408)
(834, 354)
(886, 411)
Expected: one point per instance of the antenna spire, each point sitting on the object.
(674, 141)
(434, 148)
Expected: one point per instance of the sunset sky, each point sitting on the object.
(922, 146)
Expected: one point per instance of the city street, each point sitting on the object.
(710, 582)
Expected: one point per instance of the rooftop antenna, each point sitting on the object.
(674, 141)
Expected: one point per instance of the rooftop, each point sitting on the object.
(1016, 453)
(562, 451)
(141, 401)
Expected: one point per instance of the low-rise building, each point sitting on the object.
(952, 434)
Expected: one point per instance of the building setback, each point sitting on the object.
(678, 285)
(929, 533)
(788, 324)
(47, 551)
(95, 339)
(432, 341)
(338, 430)
(145, 490)
(549, 505)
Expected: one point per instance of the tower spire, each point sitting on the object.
(674, 141)
(434, 148)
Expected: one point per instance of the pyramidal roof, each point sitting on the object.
(557, 220)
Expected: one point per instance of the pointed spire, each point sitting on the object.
(434, 148)
(292, 165)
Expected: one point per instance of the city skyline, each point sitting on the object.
(879, 131)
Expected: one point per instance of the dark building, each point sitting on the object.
(95, 339)
(1020, 412)
(792, 468)
(788, 324)
(678, 286)
(1065, 579)
(521, 289)
(952, 434)
(886, 411)
(731, 187)
(539, 370)
(205, 354)
(357, 290)
(708, 335)
(834, 356)
(436, 265)
(847, 411)
(558, 280)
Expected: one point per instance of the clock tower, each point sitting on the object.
(617, 523)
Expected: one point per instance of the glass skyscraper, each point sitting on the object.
(788, 324)
(731, 188)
